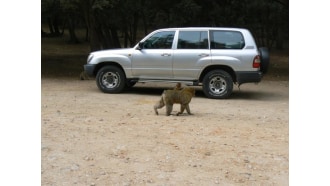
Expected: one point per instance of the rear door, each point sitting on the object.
(191, 54)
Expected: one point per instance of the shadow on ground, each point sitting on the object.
(236, 95)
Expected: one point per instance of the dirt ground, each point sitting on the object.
(92, 138)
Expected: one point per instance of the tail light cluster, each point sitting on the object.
(256, 62)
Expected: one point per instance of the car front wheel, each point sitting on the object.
(217, 84)
(110, 79)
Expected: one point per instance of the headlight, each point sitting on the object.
(90, 57)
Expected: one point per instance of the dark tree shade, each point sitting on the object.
(117, 23)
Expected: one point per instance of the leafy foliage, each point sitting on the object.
(107, 20)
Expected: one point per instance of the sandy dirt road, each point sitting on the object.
(92, 138)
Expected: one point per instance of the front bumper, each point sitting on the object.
(89, 69)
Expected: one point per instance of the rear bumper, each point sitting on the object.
(248, 77)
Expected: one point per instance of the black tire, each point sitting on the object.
(110, 79)
(264, 57)
(217, 84)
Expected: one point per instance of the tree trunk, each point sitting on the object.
(115, 38)
(91, 30)
(135, 27)
(71, 25)
(94, 38)
(56, 25)
(50, 25)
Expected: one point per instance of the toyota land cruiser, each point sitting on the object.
(214, 58)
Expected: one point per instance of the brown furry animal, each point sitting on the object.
(84, 76)
(169, 97)
(178, 86)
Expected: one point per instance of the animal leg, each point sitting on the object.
(169, 108)
(182, 107)
(158, 105)
(188, 109)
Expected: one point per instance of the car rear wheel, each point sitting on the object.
(217, 84)
(110, 79)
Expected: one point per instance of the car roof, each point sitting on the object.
(203, 28)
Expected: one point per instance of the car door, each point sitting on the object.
(191, 54)
(154, 58)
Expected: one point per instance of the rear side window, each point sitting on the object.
(193, 40)
(227, 40)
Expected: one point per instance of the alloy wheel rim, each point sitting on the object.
(110, 80)
(217, 85)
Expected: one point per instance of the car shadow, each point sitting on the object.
(257, 95)
(236, 94)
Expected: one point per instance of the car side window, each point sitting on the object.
(193, 40)
(160, 40)
(227, 40)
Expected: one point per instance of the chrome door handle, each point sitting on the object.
(203, 55)
(166, 54)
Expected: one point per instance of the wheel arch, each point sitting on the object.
(218, 67)
(107, 63)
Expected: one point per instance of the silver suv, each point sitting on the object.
(214, 58)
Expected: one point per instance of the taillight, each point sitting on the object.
(256, 62)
